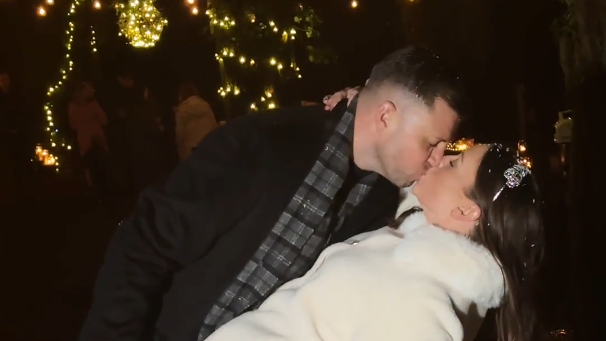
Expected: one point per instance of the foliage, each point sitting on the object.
(581, 35)
(262, 48)
(140, 22)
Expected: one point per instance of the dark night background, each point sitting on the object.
(494, 44)
(499, 46)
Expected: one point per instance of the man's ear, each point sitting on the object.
(467, 214)
(386, 116)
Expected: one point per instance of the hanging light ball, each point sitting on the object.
(140, 22)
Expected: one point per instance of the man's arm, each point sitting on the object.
(170, 228)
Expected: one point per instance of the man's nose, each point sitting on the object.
(434, 162)
(427, 168)
(436, 157)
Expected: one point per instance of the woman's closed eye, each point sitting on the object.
(448, 161)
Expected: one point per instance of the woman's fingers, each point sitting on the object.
(331, 101)
(352, 93)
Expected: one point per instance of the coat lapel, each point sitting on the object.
(296, 138)
(296, 146)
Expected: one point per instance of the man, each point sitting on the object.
(261, 197)
(120, 102)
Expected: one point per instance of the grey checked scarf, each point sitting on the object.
(300, 233)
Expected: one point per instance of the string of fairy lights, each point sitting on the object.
(464, 144)
(139, 21)
(224, 23)
(55, 142)
(93, 40)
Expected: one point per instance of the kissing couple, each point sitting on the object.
(298, 224)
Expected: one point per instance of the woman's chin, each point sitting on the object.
(415, 185)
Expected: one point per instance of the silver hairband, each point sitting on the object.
(513, 178)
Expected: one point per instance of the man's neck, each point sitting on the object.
(360, 143)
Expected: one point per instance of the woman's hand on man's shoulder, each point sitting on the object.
(331, 101)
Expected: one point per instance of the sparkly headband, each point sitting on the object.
(513, 178)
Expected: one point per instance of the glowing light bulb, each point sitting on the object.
(195, 11)
(97, 4)
(41, 11)
(354, 4)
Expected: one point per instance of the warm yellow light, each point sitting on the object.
(354, 4)
(54, 140)
(461, 145)
(41, 11)
(45, 157)
(97, 4)
(191, 2)
(226, 22)
(194, 10)
(525, 161)
(50, 2)
(140, 22)
(50, 160)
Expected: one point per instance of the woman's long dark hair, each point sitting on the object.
(511, 228)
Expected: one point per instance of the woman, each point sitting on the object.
(88, 119)
(431, 276)
(194, 119)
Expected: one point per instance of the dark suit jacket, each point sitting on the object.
(185, 243)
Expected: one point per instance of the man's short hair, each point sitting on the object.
(423, 73)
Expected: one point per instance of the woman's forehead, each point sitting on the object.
(473, 156)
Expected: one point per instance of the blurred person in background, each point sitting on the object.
(194, 120)
(150, 152)
(88, 119)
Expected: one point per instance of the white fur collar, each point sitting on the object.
(407, 199)
(465, 267)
